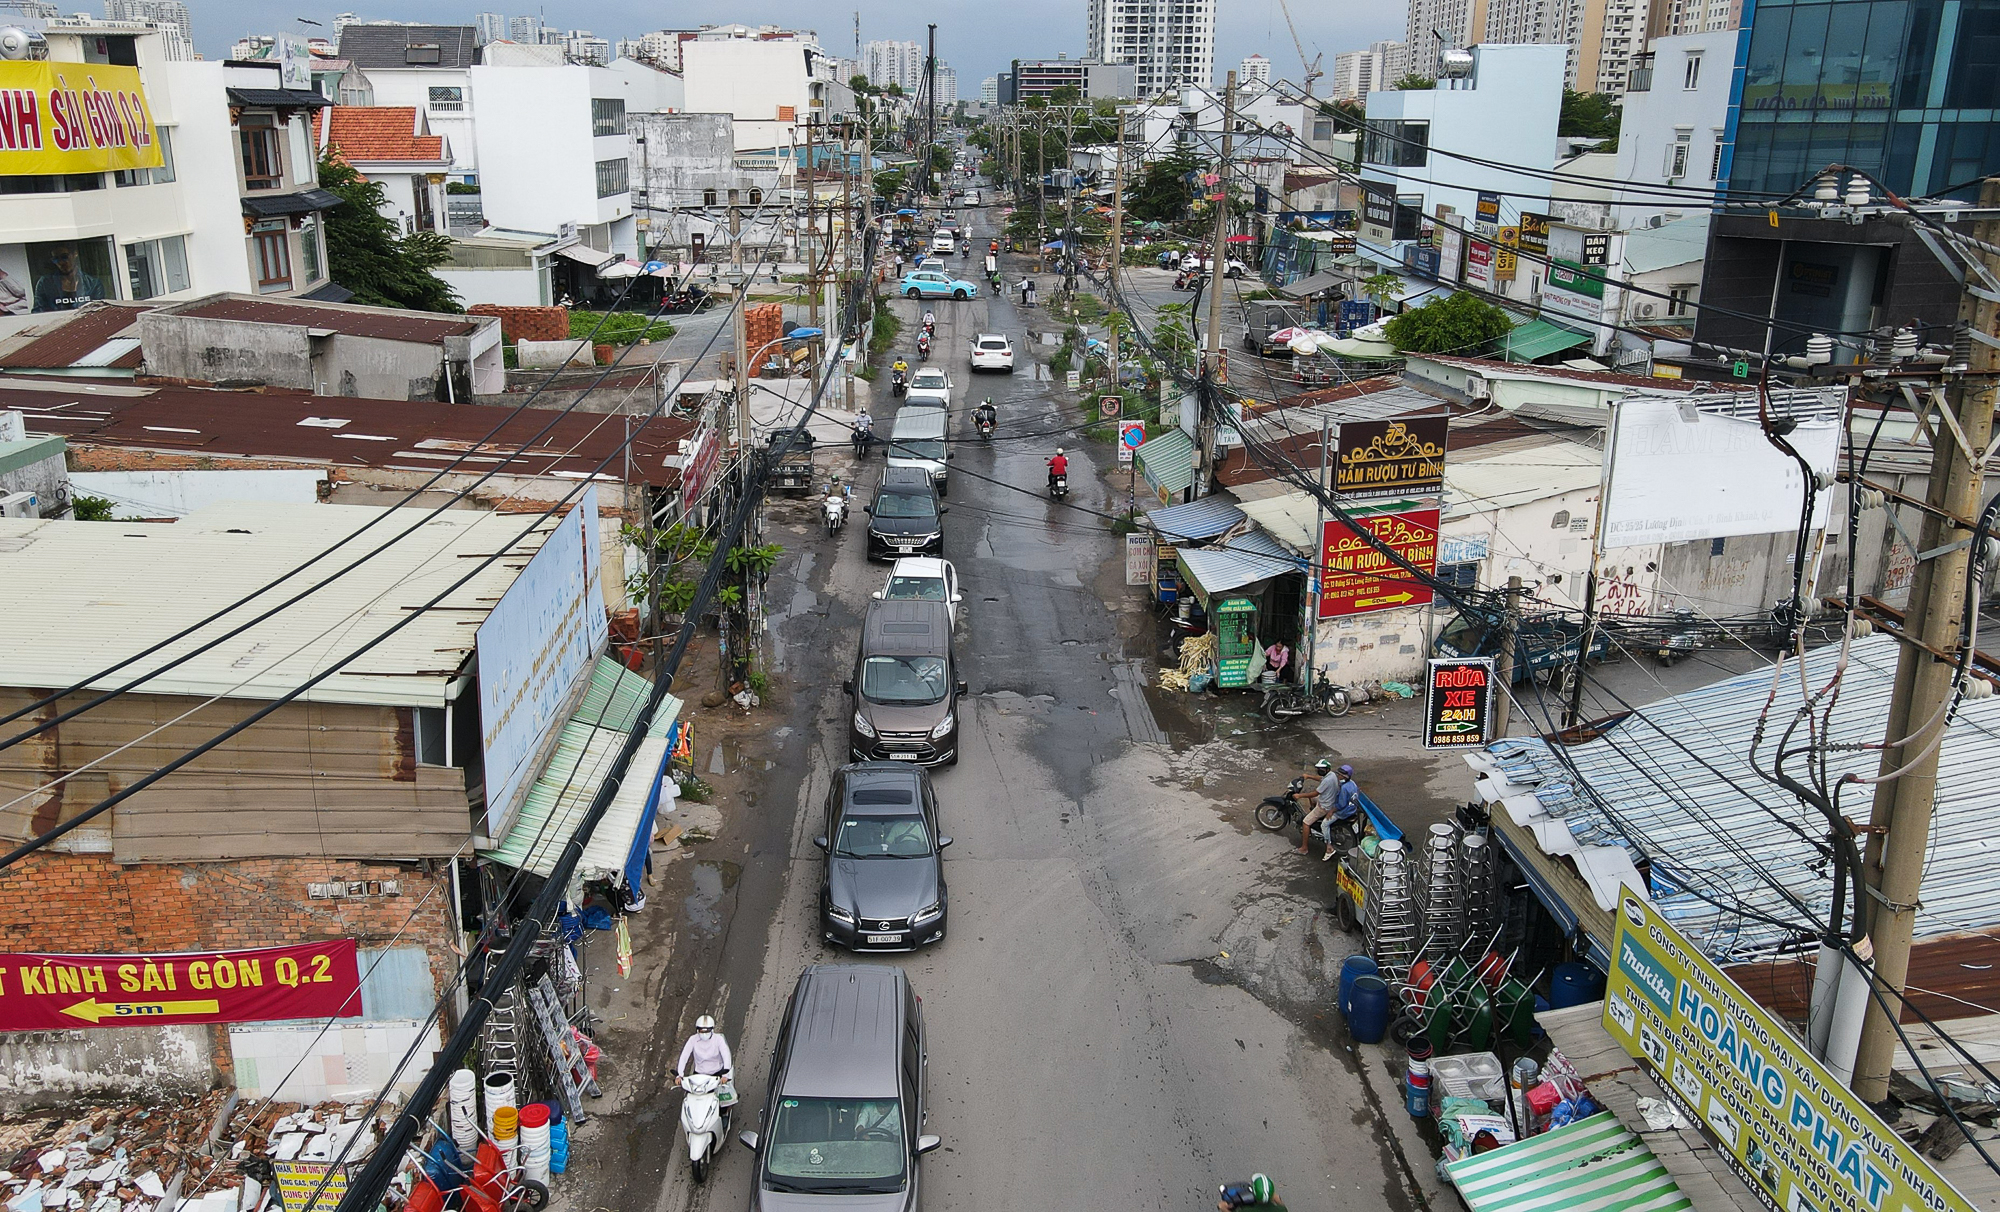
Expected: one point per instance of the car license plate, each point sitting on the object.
(902, 757)
(878, 939)
(904, 550)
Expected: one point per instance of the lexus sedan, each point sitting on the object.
(883, 888)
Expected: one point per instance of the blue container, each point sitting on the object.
(1573, 985)
(1350, 968)
(1416, 1098)
(1368, 1010)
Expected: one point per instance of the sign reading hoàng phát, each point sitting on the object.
(40, 992)
(1800, 1137)
(1395, 457)
(58, 118)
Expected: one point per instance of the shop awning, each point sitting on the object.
(585, 751)
(1316, 284)
(1244, 560)
(1203, 519)
(1539, 339)
(1167, 461)
(1593, 1165)
(275, 206)
(584, 254)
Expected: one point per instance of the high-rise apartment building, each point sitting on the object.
(1254, 70)
(947, 86)
(153, 12)
(1672, 18)
(1169, 43)
(492, 27)
(1357, 73)
(1427, 21)
(525, 29)
(989, 90)
(898, 63)
(1603, 36)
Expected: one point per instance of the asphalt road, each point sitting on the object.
(1131, 1005)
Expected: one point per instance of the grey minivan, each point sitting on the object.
(905, 685)
(846, 1096)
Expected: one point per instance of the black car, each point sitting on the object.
(883, 889)
(905, 518)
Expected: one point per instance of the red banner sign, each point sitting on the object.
(1356, 577)
(55, 992)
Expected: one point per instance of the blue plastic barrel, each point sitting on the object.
(1350, 968)
(1368, 1010)
(1573, 985)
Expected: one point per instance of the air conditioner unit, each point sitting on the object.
(1643, 310)
(20, 505)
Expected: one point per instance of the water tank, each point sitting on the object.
(1456, 64)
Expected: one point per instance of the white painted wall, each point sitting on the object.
(648, 89)
(412, 87)
(538, 156)
(749, 80)
(174, 494)
(1650, 120)
(506, 287)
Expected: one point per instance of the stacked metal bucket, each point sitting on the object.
(1393, 926)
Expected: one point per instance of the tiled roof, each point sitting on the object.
(369, 46)
(419, 326)
(378, 134)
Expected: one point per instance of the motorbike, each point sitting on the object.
(863, 439)
(833, 510)
(705, 1119)
(1284, 700)
(984, 424)
(1278, 813)
(898, 382)
(924, 348)
(1059, 485)
(1679, 644)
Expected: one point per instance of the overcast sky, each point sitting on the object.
(976, 37)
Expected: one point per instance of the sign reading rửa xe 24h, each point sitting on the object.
(1801, 1138)
(73, 118)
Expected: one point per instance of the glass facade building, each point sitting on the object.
(1908, 90)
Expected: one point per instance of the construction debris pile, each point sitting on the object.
(108, 1158)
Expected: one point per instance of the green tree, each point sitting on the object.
(1589, 116)
(1162, 192)
(92, 509)
(365, 253)
(1414, 83)
(1458, 324)
(1380, 289)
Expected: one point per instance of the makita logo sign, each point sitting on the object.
(1652, 977)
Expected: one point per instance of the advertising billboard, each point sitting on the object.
(1397, 456)
(1378, 217)
(73, 118)
(1479, 264)
(1797, 1135)
(1458, 702)
(1356, 577)
(62, 992)
(1679, 473)
(540, 638)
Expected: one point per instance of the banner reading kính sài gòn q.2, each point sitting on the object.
(1802, 1139)
(55, 992)
(73, 118)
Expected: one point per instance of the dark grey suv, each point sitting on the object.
(846, 1099)
(883, 888)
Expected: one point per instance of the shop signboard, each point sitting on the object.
(1789, 1126)
(58, 117)
(1488, 208)
(1358, 578)
(63, 992)
(1378, 217)
(1355, 313)
(1451, 244)
(1503, 256)
(1596, 248)
(1534, 234)
(1235, 622)
(308, 1185)
(704, 456)
(1479, 264)
(1458, 702)
(1140, 558)
(1396, 456)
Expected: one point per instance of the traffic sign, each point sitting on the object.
(1109, 406)
(1131, 436)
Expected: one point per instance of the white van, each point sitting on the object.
(943, 244)
(917, 440)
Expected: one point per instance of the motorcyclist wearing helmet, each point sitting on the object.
(986, 414)
(901, 367)
(1259, 1192)
(705, 1051)
(1324, 797)
(1058, 466)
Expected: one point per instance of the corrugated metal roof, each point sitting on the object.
(1288, 517)
(1538, 339)
(1203, 519)
(1679, 780)
(355, 321)
(1244, 560)
(1167, 461)
(80, 337)
(79, 595)
(1593, 1165)
(1516, 471)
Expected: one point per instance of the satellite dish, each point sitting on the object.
(16, 43)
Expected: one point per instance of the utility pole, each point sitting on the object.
(1503, 671)
(1212, 369)
(742, 333)
(1900, 823)
(930, 105)
(811, 242)
(1117, 250)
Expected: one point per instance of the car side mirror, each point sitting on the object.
(950, 455)
(751, 1142)
(957, 597)
(944, 510)
(877, 595)
(848, 685)
(868, 509)
(928, 1144)
(943, 842)
(963, 689)
(820, 842)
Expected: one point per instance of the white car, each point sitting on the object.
(992, 351)
(924, 579)
(931, 263)
(930, 385)
(943, 244)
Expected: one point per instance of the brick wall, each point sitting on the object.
(526, 323)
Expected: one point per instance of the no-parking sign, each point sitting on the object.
(1131, 436)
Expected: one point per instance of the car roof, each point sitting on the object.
(932, 372)
(879, 777)
(905, 627)
(846, 1038)
(917, 566)
(992, 336)
(907, 479)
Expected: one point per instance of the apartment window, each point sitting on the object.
(1397, 144)
(271, 244)
(1459, 576)
(304, 164)
(756, 197)
(157, 267)
(613, 177)
(1677, 153)
(1715, 159)
(445, 99)
(1322, 130)
(67, 274)
(151, 176)
(1691, 74)
(425, 53)
(309, 250)
(607, 116)
(263, 163)
(708, 197)
(1680, 300)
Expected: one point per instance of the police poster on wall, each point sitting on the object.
(1458, 702)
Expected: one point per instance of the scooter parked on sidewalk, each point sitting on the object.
(1678, 644)
(705, 1118)
(1286, 700)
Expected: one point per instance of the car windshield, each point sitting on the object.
(836, 1145)
(892, 679)
(924, 589)
(929, 378)
(883, 837)
(920, 448)
(905, 505)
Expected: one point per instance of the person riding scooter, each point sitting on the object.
(930, 323)
(924, 346)
(706, 1051)
(1058, 466)
(985, 417)
(863, 434)
(899, 377)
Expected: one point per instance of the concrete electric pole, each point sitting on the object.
(1212, 367)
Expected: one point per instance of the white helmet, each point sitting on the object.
(1059, 450)
(705, 1023)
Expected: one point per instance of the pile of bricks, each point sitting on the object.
(526, 323)
(109, 1159)
(763, 325)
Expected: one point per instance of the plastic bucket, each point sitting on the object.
(1417, 1079)
(1573, 985)
(1368, 1009)
(499, 1093)
(1350, 968)
(464, 1114)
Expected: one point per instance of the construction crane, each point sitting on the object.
(1311, 65)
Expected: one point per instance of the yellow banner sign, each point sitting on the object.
(1803, 1140)
(73, 118)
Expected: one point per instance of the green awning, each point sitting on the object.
(1593, 1165)
(585, 751)
(1539, 339)
(1167, 461)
